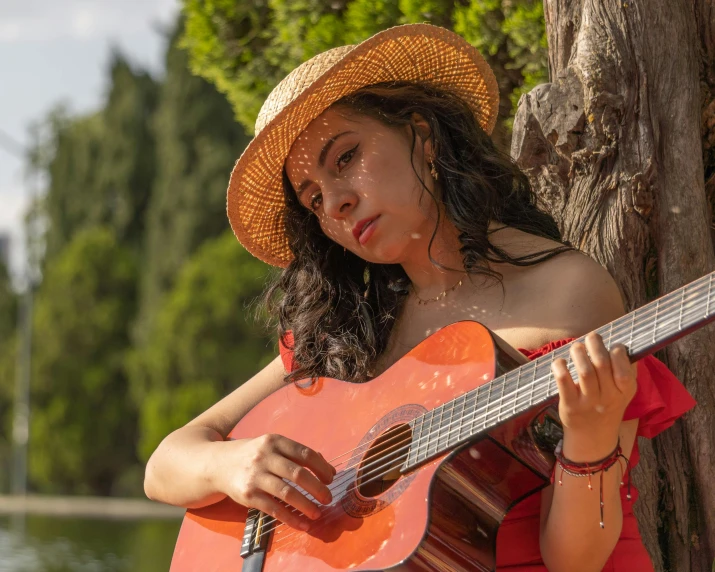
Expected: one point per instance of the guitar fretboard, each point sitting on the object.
(642, 332)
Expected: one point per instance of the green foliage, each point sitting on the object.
(204, 343)
(8, 357)
(8, 305)
(225, 39)
(512, 37)
(8, 361)
(246, 48)
(101, 167)
(83, 424)
(364, 18)
(198, 142)
(150, 170)
(126, 157)
(436, 12)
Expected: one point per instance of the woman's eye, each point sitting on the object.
(345, 158)
(315, 201)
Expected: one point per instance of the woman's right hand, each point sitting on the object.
(252, 473)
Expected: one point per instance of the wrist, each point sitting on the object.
(210, 472)
(588, 447)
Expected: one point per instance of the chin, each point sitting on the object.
(383, 256)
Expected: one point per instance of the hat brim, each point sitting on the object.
(413, 52)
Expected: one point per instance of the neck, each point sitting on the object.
(432, 276)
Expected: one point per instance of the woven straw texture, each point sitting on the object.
(414, 52)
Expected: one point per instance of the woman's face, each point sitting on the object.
(356, 175)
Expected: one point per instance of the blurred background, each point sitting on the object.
(127, 307)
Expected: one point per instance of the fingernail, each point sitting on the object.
(304, 526)
(316, 514)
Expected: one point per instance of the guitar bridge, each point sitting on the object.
(255, 536)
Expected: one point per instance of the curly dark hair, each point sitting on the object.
(340, 308)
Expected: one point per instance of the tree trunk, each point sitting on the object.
(614, 147)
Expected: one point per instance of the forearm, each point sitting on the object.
(179, 472)
(571, 536)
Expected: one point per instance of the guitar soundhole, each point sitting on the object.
(380, 467)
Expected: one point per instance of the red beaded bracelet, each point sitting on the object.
(587, 469)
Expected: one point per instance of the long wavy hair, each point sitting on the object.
(340, 308)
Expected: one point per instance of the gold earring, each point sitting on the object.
(433, 170)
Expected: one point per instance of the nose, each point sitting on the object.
(338, 203)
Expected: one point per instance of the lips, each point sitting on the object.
(362, 226)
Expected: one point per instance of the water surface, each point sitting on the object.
(57, 544)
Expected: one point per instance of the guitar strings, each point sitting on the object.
(612, 332)
(618, 330)
(474, 414)
(283, 540)
(477, 412)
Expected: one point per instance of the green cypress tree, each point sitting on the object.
(101, 166)
(126, 156)
(204, 341)
(245, 48)
(198, 141)
(83, 423)
(8, 358)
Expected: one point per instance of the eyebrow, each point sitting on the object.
(321, 158)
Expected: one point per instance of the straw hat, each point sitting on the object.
(414, 52)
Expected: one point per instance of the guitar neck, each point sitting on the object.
(642, 332)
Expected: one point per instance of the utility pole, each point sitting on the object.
(21, 418)
(21, 408)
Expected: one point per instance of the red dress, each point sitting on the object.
(659, 400)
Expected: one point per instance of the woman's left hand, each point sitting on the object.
(592, 406)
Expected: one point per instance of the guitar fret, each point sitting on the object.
(445, 430)
(462, 416)
(466, 416)
(630, 335)
(489, 403)
(655, 325)
(480, 398)
(434, 428)
(682, 306)
(503, 398)
(424, 444)
(416, 439)
(610, 335)
(533, 385)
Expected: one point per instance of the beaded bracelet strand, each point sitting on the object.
(587, 469)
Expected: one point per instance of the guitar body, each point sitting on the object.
(441, 515)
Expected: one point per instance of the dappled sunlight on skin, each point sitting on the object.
(348, 168)
(352, 168)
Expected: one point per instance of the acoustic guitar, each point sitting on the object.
(430, 455)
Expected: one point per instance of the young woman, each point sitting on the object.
(373, 182)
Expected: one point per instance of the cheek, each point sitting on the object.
(334, 230)
(391, 177)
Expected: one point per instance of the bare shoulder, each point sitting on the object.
(582, 294)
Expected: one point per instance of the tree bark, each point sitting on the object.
(616, 148)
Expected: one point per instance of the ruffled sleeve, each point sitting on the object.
(659, 400)
(285, 347)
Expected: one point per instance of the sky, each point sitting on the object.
(57, 51)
